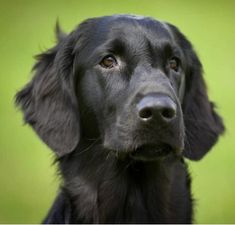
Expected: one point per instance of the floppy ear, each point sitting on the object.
(202, 124)
(49, 101)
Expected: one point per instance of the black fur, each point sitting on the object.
(115, 167)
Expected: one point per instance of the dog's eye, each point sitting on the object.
(108, 62)
(174, 64)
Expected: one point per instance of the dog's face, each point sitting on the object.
(131, 82)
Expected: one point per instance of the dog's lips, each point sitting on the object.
(151, 152)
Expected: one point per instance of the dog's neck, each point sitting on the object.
(104, 189)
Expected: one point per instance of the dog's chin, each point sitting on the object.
(152, 152)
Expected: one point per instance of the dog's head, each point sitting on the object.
(132, 82)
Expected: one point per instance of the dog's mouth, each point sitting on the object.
(151, 152)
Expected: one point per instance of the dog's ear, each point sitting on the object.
(49, 101)
(203, 125)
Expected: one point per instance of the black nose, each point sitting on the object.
(159, 107)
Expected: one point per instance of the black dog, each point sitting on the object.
(121, 100)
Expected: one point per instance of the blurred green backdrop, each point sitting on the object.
(28, 180)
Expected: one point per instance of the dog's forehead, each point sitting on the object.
(136, 33)
(125, 27)
(134, 26)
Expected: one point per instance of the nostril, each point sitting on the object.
(145, 113)
(168, 113)
(158, 108)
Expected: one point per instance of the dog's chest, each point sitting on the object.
(136, 197)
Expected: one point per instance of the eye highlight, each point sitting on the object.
(108, 62)
(174, 63)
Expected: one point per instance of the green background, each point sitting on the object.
(28, 181)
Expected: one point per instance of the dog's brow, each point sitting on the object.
(174, 49)
(112, 46)
(115, 44)
(163, 46)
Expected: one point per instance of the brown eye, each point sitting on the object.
(174, 64)
(108, 62)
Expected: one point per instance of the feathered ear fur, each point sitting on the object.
(49, 102)
(60, 34)
(202, 123)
